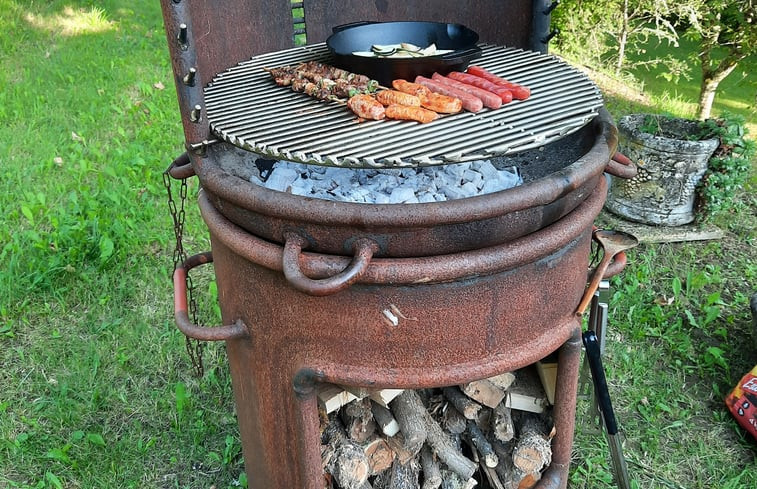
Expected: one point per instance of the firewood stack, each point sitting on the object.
(493, 433)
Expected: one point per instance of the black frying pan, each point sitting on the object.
(362, 35)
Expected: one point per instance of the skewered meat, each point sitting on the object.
(366, 107)
(331, 82)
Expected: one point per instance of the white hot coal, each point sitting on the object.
(390, 186)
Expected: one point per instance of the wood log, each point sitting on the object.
(358, 420)
(482, 445)
(502, 426)
(526, 393)
(343, 458)
(432, 477)
(379, 454)
(510, 476)
(464, 404)
(400, 476)
(451, 480)
(441, 443)
(484, 392)
(384, 419)
(533, 450)
(409, 412)
(397, 444)
(453, 422)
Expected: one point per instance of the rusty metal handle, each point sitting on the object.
(621, 166)
(617, 265)
(181, 168)
(218, 333)
(363, 249)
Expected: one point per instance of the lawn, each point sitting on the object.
(96, 387)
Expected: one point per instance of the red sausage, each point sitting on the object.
(470, 102)
(519, 91)
(501, 92)
(490, 100)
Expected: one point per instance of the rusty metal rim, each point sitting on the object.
(304, 209)
(420, 270)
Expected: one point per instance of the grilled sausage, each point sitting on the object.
(502, 93)
(366, 106)
(519, 91)
(410, 87)
(390, 97)
(441, 103)
(406, 112)
(490, 99)
(470, 103)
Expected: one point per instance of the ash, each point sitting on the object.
(390, 186)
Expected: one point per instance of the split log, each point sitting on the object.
(462, 403)
(384, 396)
(502, 426)
(510, 476)
(397, 444)
(400, 476)
(409, 411)
(533, 450)
(503, 381)
(342, 458)
(432, 477)
(482, 445)
(526, 393)
(451, 480)
(384, 419)
(358, 420)
(484, 392)
(379, 454)
(331, 397)
(441, 443)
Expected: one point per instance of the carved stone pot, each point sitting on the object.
(669, 168)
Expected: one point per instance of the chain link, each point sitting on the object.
(178, 214)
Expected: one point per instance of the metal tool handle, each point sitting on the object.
(218, 333)
(594, 356)
(294, 243)
(621, 166)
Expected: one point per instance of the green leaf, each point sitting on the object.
(106, 248)
(27, 212)
(692, 319)
(96, 439)
(677, 285)
(53, 480)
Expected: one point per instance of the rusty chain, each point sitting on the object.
(178, 214)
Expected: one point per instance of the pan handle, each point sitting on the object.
(621, 166)
(219, 333)
(469, 54)
(363, 249)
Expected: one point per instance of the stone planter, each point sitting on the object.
(669, 169)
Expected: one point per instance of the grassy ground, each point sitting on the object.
(96, 388)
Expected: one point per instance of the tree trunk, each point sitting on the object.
(711, 77)
(622, 39)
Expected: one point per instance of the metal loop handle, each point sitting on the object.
(181, 168)
(363, 249)
(621, 166)
(218, 333)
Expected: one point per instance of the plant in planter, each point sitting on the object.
(672, 156)
(728, 168)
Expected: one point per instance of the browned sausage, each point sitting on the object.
(410, 87)
(366, 106)
(409, 113)
(390, 97)
(470, 102)
(441, 103)
(490, 100)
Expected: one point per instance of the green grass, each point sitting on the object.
(96, 388)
